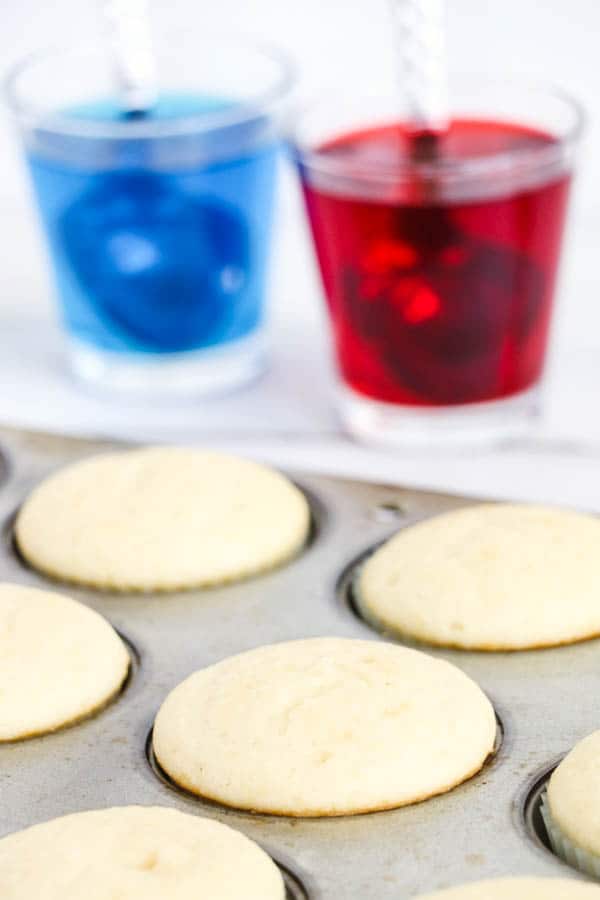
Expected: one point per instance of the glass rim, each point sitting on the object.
(239, 113)
(318, 161)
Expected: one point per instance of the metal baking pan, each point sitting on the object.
(546, 701)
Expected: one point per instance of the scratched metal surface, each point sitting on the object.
(547, 700)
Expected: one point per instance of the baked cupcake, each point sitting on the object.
(324, 727)
(60, 662)
(161, 519)
(519, 889)
(138, 853)
(489, 577)
(571, 807)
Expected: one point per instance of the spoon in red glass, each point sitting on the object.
(420, 27)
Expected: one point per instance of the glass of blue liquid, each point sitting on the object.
(158, 222)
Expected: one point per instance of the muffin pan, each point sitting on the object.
(488, 827)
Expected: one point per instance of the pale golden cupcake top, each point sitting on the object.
(161, 519)
(145, 852)
(489, 577)
(324, 727)
(519, 889)
(59, 661)
(574, 795)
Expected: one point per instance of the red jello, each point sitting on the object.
(438, 300)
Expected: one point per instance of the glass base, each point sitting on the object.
(475, 424)
(214, 370)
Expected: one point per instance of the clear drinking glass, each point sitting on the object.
(439, 255)
(159, 224)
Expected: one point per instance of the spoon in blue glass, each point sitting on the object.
(129, 34)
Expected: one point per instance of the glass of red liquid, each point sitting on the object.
(439, 255)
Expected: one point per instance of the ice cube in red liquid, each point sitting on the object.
(436, 302)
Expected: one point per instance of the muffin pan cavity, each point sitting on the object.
(532, 812)
(483, 828)
(168, 782)
(347, 589)
(4, 468)
(294, 889)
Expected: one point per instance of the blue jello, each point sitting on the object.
(159, 243)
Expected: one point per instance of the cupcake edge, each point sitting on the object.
(582, 860)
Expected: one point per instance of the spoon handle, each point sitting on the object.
(128, 30)
(421, 47)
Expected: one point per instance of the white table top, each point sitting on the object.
(287, 417)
